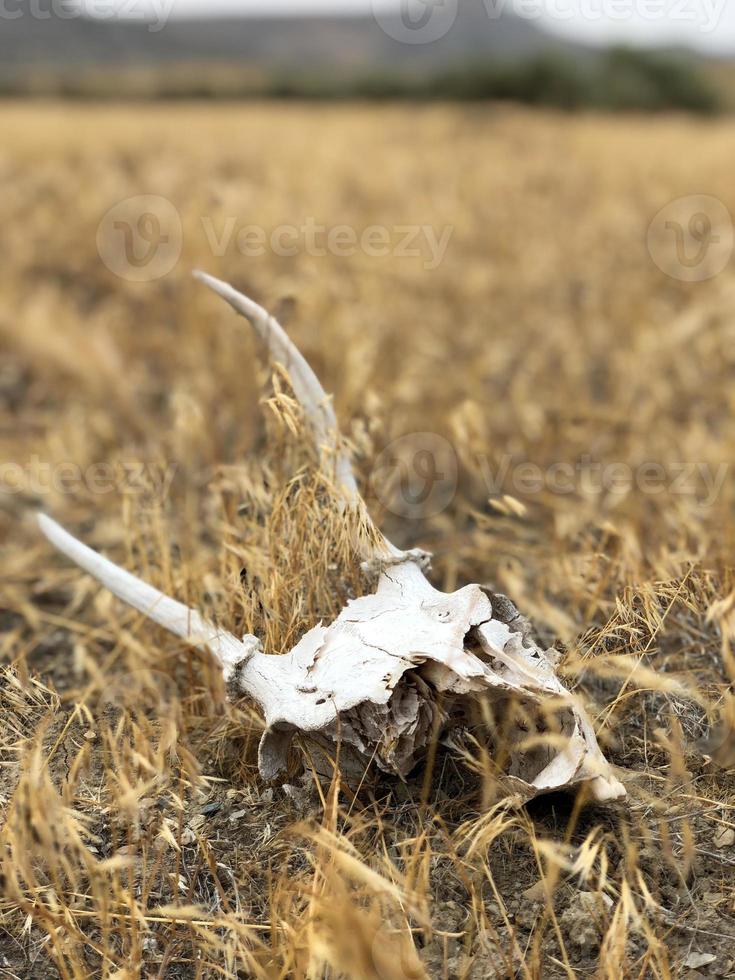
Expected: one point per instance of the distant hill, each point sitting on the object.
(476, 57)
(330, 44)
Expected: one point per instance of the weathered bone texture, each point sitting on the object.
(397, 668)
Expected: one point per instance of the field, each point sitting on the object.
(479, 288)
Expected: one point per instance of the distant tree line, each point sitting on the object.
(617, 79)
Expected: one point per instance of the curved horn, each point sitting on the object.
(317, 408)
(315, 402)
(168, 613)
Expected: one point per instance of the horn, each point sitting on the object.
(320, 416)
(168, 613)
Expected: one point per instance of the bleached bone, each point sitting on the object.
(317, 408)
(398, 667)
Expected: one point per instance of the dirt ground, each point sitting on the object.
(547, 307)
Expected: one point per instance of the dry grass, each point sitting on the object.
(137, 839)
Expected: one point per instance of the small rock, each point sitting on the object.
(696, 960)
(188, 837)
(452, 916)
(528, 914)
(237, 815)
(299, 796)
(536, 893)
(583, 920)
(210, 809)
(492, 910)
(486, 966)
(724, 837)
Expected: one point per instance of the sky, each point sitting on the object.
(705, 24)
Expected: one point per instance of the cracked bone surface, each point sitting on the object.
(397, 668)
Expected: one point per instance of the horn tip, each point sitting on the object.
(46, 524)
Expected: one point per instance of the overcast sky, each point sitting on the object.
(706, 24)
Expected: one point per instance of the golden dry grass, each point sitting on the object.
(137, 838)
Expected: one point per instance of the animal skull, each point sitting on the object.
(396, 667)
